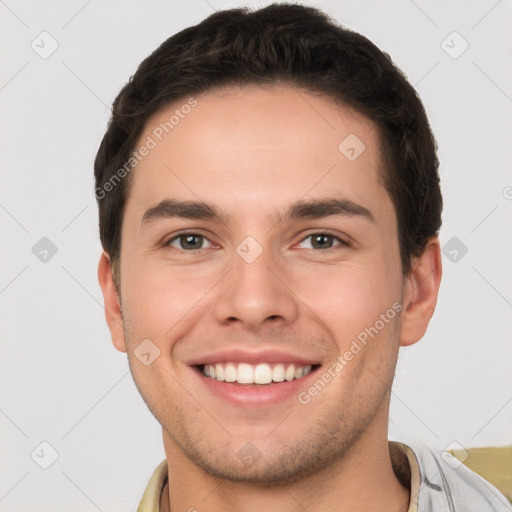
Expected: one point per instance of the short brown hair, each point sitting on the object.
(300, 46)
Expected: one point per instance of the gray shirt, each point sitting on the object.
(444, 484)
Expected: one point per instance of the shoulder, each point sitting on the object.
(448, 485)
(150, 501)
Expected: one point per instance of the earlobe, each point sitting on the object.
(113, 313)
(420, 293)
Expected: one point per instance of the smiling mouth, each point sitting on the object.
(259, 374)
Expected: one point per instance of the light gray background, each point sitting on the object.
(61, 379)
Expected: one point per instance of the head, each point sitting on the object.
(314, 176)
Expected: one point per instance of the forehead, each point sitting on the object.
(254, 148)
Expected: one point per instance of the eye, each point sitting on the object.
(187, 241)
(324, 241)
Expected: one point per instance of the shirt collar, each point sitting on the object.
(152, 495)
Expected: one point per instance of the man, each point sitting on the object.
(269, 209)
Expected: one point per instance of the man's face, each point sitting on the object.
(262, 287)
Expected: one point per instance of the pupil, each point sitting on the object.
(318, 243)
(319, 237)
(190, 238)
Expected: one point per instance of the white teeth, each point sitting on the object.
(245, 374)
(302, 371)
(289, 374)
(230, 372)
(262, 373)
(219, 371)
(278, 373)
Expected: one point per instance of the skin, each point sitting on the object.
(252, 152)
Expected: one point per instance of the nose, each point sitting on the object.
(256, 293)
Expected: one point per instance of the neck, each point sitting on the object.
(363, 480)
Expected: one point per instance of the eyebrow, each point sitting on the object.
(312, 209)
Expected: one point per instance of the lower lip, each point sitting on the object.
(256, 394)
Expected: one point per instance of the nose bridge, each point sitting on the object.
(252, 268)
(254, 291)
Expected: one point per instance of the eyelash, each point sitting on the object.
(342, 241)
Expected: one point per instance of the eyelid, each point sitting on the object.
(167, 240)
(343, 240)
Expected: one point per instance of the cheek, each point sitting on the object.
(163, 301)
(348, 298)
(159, 305)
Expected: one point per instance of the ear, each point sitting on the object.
(420, 293)
(113, 313)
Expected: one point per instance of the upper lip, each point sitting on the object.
(255, 357)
